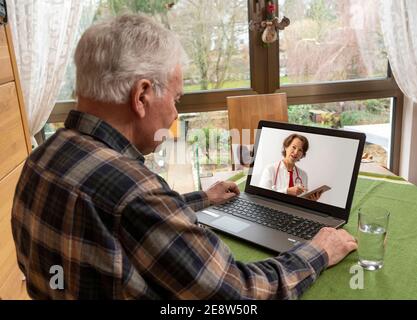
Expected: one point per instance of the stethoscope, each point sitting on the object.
(297, 181)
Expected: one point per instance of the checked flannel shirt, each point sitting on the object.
(87, 203)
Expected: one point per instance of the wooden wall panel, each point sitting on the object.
(23, 115)
(7, 188)
(12, 285)
(14, 148)
(12, 136)
(14, 288)
(6, 71)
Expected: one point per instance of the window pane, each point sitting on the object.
(372, 117)
(201, 148)
(207, 137)
(330, 40)
(50, 128)
(213, 33)
(67, 91)
(216, 39)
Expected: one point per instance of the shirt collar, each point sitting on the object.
(101, 130)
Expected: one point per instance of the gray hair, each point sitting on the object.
(113, 55)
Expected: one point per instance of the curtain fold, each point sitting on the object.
(44, 33)
(364, 21)
(399, 27)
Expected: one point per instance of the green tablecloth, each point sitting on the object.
(398, 278)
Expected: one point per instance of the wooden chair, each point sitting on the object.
(244, 113)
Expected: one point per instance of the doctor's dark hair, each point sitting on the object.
(289, 140)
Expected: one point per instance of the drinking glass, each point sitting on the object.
(372, 236)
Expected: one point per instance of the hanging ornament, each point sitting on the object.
(270, 10)
(269, 27)
(269, 35)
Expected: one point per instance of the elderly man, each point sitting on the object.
(88, 209)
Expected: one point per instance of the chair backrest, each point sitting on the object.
(244, 113)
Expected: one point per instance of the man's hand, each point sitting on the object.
(336, 243)
(222, 191)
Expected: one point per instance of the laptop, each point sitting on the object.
(268, 213)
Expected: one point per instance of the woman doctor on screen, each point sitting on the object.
(284, 176)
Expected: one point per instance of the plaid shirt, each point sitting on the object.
(86, 202)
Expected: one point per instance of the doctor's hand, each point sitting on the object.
(315, 196)
(295, 191)
(336, 243)
(222, 191)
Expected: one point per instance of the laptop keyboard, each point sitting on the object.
(272, 218)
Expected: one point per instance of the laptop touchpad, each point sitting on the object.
(230, 224)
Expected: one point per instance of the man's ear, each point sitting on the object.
(140, 96)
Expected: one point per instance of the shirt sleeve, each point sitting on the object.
(164, 243)
(197, 200)
(266, 181)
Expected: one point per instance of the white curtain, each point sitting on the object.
(364, 21)
(43, 35)
(399, 27)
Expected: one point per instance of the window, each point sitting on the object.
(372, 117)
(208, 137)
(331, 40)
(201, 148)
(51, 128)
(217, 44)
(330, 60)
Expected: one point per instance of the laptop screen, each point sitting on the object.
(312, 167)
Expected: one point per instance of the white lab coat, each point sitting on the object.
(283, 179)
